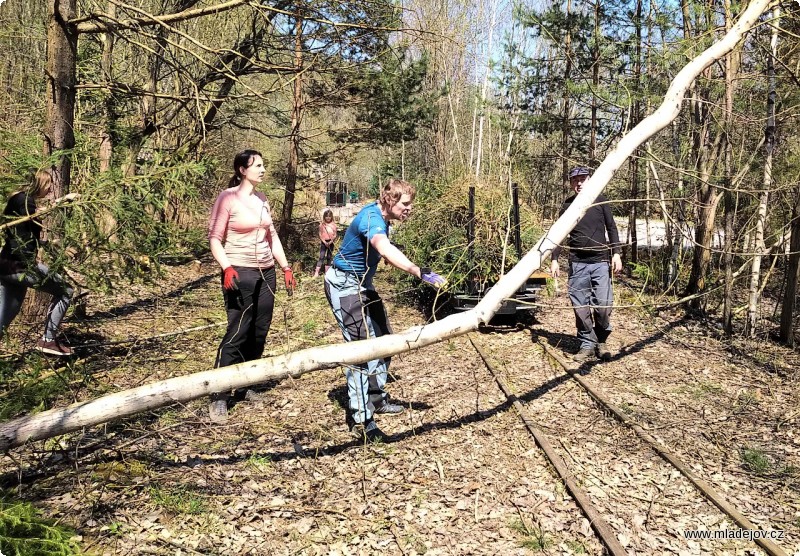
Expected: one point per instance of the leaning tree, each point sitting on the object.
(181, 389)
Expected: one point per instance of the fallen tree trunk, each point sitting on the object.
(182, 389)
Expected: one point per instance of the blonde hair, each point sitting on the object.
(395, 189)
(327, 213)
(40, 181)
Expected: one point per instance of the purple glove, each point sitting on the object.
(429, 276)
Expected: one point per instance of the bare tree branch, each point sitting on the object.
(101, 23)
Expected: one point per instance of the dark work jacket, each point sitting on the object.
(22, 240)
(587, 241)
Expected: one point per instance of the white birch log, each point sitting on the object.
(182, 389)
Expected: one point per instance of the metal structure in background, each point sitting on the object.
(336, 194)
(526, 294)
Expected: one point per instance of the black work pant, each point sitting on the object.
(249, 316)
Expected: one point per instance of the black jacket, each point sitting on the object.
(587, 242)
(22, 240)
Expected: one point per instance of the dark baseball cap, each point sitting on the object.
(579, 171)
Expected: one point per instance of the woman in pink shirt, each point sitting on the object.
(245, 243)
(327, 236)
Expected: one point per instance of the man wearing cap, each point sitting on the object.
(589, 283)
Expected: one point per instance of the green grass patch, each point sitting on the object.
(180, 500)
(577, 547)
(790, 472)
(533, 536)
(745, 401)
(120, 472)
(116, 528)
(550, 288)
(34, 385)
(310, 327)
(260, 463)
(756, 461)
(626, 408)
(24, 532)
(706, 388)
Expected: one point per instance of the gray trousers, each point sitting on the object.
(13, 288)
(590, 292)
(360, 313)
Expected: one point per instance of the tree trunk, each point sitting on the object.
(727, 179)
(652, 170)
(792, 276)
(62, 48)
(565, 127)
(61, 78)
(636, 116)
(769, 146)
(595, 86)
(293, 165)
(106, 144)
(181, 389)
(484, 91)
(633, 212)
(679, 225)
(706, 211)
(704, 235)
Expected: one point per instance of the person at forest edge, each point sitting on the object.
(589, 283)
(358, 308)
(20, 270)
(327, 237)
(245, 243)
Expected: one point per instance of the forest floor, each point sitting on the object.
(459, 474)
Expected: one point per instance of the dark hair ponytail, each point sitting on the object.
(242, 159)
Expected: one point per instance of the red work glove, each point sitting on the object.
(288, 279)
(230, 278)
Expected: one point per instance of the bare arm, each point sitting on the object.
(396, 258)
(218, 251)
(277, 247)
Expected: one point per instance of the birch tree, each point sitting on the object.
(62, 420)
(769, 148)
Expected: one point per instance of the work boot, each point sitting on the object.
(368, 432)
(603, 352)
(218, 411)
(583, 354)
(386, 407)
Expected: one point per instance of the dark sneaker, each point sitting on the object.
(368, 432)
(603, 352)
(583, 354)
(218, 411)
(388, 408)
(54, 347)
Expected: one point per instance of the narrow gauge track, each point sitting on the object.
(609, 487)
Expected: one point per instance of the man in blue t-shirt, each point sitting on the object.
(359, 309)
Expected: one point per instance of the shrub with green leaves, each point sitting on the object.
(23, 532)
(125, 222)
(123, 226)
(436, 235)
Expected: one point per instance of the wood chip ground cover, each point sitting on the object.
(460, 474)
